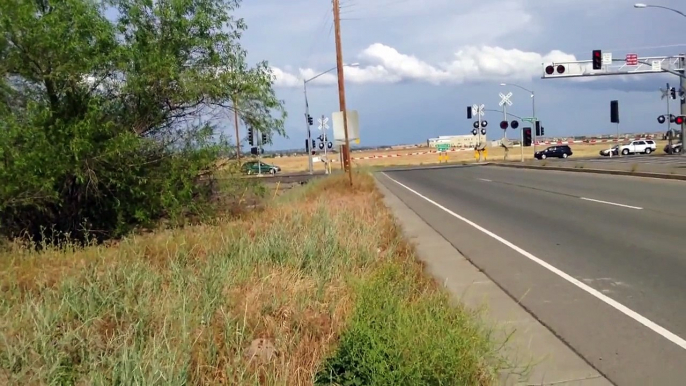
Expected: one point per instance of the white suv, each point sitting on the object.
(645, 146)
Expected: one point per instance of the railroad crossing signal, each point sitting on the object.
(505, 99)
(680, 120)
(665, 92)
(478, 109)
(323, 123)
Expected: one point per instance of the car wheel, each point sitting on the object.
(649, 150)
(564, 155)
(272, 171)
(543, 156)
(625, 151)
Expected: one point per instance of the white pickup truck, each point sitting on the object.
(642, 146)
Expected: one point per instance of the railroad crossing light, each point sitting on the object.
(251, 138)
(514, 124)
(550, 70)
(680, 120)
(597, 59)
(672, 93)
(503, 125)
(661, 119)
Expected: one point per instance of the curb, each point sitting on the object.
(597, 171)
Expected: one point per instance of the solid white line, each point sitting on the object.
(612, 203)
(597, 294)
(484, 179)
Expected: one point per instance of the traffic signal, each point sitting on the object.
(597, 59)
(538, 129)
(672, 93)
(264, 137)
(307, 145)
(469, 112)
(527, 136)
(314, 143)
(680, 120)
(251, 138)
(542, 130)
(310, 121)
(614, 111)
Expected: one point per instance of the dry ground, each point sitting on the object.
(299, 163)
(317, 286)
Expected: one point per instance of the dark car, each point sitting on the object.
(559, 151)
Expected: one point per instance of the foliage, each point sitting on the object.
(106, 110)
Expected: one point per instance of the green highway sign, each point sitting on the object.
(443, 147)
(529, 119)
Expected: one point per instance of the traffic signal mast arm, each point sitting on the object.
(647, 65)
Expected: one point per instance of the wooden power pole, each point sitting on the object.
(341, 87)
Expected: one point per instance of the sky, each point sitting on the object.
(422, 62)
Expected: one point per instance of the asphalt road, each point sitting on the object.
(600, 260)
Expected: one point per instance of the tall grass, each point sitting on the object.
(325, 264)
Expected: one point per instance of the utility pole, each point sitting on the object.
(235, 122)
(341, 86)
(683, 102)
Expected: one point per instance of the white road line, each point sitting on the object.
(670, 336)
(484, 179)
(611, 203)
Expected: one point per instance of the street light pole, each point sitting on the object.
(681, 72)
(533, 112)
(307, 110)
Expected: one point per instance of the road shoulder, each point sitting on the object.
(538, 354)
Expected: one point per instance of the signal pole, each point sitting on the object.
(683, 102)
(341, 86)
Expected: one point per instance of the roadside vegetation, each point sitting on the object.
(317, 287)
(131, 252)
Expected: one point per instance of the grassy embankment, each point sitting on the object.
(321, 273)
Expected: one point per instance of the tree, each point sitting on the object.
(104, 120)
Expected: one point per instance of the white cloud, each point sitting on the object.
(384, 64)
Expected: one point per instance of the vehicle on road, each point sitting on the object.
(559, 151)
(675, 149)
(614, 150)
(258, 167)
(639, 146)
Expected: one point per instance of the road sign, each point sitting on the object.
(505, 99)
(632, 59)
(607, 58)
(529, 119)
(443, 146)
(323, 123)
(656, 65)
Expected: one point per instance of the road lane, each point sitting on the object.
(632, 256)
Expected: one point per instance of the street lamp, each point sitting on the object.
(307, 108)
(533, 110)
(641, 5)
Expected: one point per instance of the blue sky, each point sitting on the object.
(423, 62)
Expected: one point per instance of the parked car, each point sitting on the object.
(559, 151)
(639, 146)
(614, 150)
(676, 148)
(257, 167)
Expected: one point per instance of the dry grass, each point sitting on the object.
(299, 163)
(182, 306)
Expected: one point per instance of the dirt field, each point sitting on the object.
(406, 157)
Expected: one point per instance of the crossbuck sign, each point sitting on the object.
(479, 109)
(505, 99)
(323, 123)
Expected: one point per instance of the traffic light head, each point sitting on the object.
(469, 112)
(680, 120)
(672, 92)
(310, 121)
(597, 59)
(251, 138)
(527, 136)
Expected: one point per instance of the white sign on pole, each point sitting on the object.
(505, 99)
(657, 66)
(353, 127)
(607, 58)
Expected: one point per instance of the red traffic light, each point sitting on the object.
(680, 120)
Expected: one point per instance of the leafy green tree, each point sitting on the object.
(106, 111)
